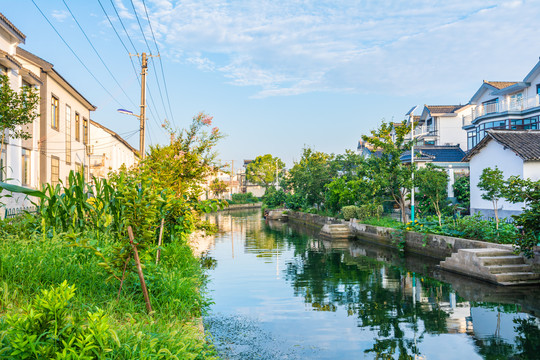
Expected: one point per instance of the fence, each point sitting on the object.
(14, 212)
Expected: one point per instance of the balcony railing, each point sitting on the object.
(512, 104)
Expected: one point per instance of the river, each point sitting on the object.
(279, 292)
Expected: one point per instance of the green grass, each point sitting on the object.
(32, 263)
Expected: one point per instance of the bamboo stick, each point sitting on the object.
(139, 270)
(159, 241)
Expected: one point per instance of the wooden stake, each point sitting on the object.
(123, 276)
(159, 241)
(139, 270)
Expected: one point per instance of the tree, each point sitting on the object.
(433, 182)
(263, 170)
(388, 171)
(16, 110)
(527, 191)
(308, 178)
(462, 190)
(218, 187)
(492, 184)
(187, 161)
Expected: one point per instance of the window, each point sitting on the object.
(78, 167)
(525, 124)
(55, 170)
(55, 114)
(85, 131)
(68, 134)
(3, 70)
(537, 89)
(471, 139)
(25, 161)
(516, 101)
(77, 127)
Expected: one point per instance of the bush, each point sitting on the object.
(247, 198)
(274, 198)
(349, 212)
(369, 211)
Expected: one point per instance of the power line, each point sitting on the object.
(160, 63)
(76, 56)
(97, 53)
(128, 52)
(152, 59)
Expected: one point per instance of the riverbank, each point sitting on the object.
(242, 207)
(41, 272)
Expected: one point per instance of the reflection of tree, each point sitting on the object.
(494, 348)
(373, 292)
(528, 338)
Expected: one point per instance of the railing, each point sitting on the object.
(14, 212)
(512, 104)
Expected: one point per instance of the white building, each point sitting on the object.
(17, 155)
(514, 152)
(442, 125)
(512, 105)
(63, 130)
(108, 151)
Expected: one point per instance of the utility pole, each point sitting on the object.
(232, 173)
(143, 104)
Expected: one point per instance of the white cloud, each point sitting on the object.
(60, 15)
(388, 46)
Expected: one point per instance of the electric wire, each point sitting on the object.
(160, 63)
(97, 53)
(129, 54)
(76, 56)
(151, 58)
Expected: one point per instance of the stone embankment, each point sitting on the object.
(242, 207)
(491, 262)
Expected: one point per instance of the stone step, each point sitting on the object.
(517, 277)
(494, 252)
(512, 268)
(501, 260)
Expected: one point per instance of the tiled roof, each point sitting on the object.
(435, 153)
(13, 27)
(443, 109)
(525, 143)
(500, 84)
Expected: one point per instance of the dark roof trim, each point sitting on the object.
(15, 32)
(48, 68)
(524, 143)
(115, 135)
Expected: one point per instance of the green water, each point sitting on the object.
(282, 293)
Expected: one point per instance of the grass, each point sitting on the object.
(32, 263)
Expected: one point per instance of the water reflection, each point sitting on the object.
(353, 299)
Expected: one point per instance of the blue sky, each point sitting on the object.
(281, 75)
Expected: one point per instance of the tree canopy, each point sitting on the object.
(263, 170)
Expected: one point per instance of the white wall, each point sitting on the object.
(450, 131)
(493, 154)
(108, 151)
(531, 170)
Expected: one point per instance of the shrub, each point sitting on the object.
(369, 211)
(247, 198)
(48, 328)
(349, 212)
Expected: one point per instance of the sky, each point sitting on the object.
(278, 76)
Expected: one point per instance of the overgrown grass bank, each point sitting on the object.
(85, 318)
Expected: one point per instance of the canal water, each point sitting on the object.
(282, 293)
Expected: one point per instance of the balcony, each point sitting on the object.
(511, 104)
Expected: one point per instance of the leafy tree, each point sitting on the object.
(16, 110)
(263, 170)
(189, 158)
(218, 187)
(527, 191)
(387, 171)
(432, 182)
(308, 177)
(492, 184)
(462, 190)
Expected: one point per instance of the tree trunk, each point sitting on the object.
(139, 271)
(496, 211)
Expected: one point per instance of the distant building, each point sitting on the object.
(441, 125)
(515, 152)
(108, 151)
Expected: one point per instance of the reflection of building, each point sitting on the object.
(246, 186)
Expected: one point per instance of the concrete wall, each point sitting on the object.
(451, 132)
(506, 160)
(436, 246)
